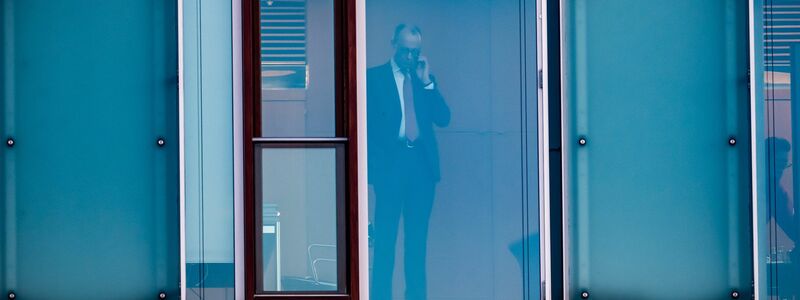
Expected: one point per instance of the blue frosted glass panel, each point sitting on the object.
(300, 199)
(658, 198)
(781, 65)
(453, 213)
(90, 200)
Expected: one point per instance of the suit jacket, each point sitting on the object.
(383, 121)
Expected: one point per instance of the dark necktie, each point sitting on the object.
(412, 132)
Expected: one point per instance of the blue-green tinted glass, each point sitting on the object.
(300, 199)
(781, 66)
(298, 82)
(451, 134)
(208, 154)
(90, 199)
(658, 196)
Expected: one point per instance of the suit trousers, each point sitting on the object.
(405, 189)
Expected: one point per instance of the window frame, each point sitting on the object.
(344, 30)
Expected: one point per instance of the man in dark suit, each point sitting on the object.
(784, 213)
(403, 105)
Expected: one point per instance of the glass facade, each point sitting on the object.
(451, 137)
(657, 147)
(474, 235)
(779, 53)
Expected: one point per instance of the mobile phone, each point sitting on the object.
(418, 63)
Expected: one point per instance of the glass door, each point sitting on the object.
(89, 154)
(656, 140)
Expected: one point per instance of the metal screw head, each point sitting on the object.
(582, 142)
(735, 295)
(161, 142)
(584, 295)
(11, 295)
(732, 141)
(10, 142)
(162, 295)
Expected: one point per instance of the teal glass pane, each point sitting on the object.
(90, 199)
(658, 196)
(298, 75)
(301, 198)
(781, 66)
(453, 203)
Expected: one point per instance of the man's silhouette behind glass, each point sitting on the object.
(403, 105)
(784, 213)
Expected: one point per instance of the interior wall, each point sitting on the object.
(321, 92)
(308, 112)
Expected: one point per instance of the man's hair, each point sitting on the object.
(778, 145)
(399, 29)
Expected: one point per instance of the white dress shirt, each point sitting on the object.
(399, 80)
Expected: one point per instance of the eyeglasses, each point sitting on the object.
(405, 51)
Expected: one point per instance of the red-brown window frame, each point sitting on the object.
(346, 129)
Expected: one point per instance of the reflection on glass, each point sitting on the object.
(300, 198)
(297, 68)
(781, 67)
(447, 164)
